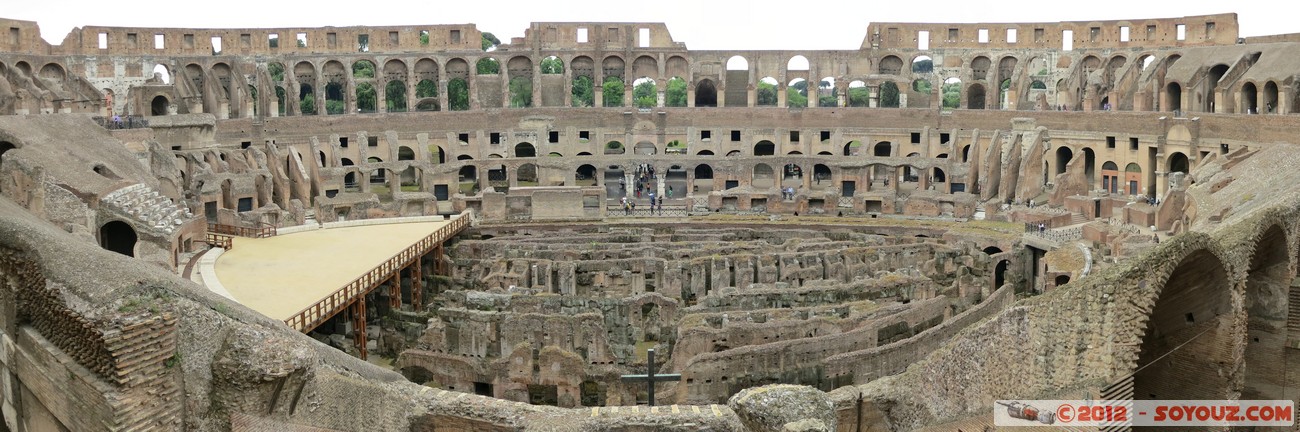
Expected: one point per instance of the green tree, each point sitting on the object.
(334, 107)
(487, 66)
(426, 89)
(951, 95)
(795, 98)
(889, 95)
(279, 94)
(613, 89)
(302, 43)
(923, 66)
(859, 97)
(274, 41)
(424, 37)
(766, 93)
(308, 104)
(366, 98)
(458, 95)
(363, 69)
(277, 72)
(490, 40)
(675, 93)
(584, 94)
(828, 101)
(922, 86)
(645, 94)
(552, 66)
(395, 96)
(521, 93)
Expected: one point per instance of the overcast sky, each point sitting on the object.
(701, 24)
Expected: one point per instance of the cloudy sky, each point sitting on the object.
(701, 24)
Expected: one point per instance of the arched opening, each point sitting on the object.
(975, 97)
(706, 94)
(796, 93)
(1268, 285)
(426, 96)
(1063, 157)
(521, 92)
(585, 175)
(922, 64)
(951, 93)
(405, 153)
(1212, 86)
(889, 95)
(891, 65)
(882, 149)
(1178, 163)
(766, 92)
(395, 96)
(853, 148)
(161, 73)
(334, 104)
(644, 93)
(703, 172)
(306, 99)
(1061, 280)
(1174, 93)
(525, 150)
(527, 175)
(1090, 166)
(118, 236)
(159, 105)
(1000, 274)
(763, 176)
(1249, 98)
(733, 153)
(675, 93)
(764, 148)
(583, 92)
(797, 63)
(992, 250)
(467, 177)
(859, 95)
(939, 176)
(614, 148)
(613, 88)
(821, 173)
(1270, 97)
(791, 176)
(965, 153)
(458, 95)
(645, 148)
(827, 93)
(410, 180)
(1187, 334)
(5, 146)
(705, 153)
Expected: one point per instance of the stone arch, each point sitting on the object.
(585, 175)
(405, 153)
(891, 65)
(938, 175)
(797, 93)
(1269, 97)
(703, 172)
(1212, 79)
(614, 66)
(487, 65)
(1268, 285)
(614, 147)
(1063, 157)
(5, 146)
(705, 153)
(979, 68)
(118, 236)
(797, 63)
(763, 176)
(675, 92)
(527, 173)
(159, 106)
(821, 173)
(1174, 96)
(882, 149)
(706, 93)
(1185, 332)
(645, 66)
(1178, 162)
(54, 72)
(965, 153)
(1249, 98)
(853, 148)
(677, 66)
(859, 95)
(525, 150)
(922, 64)
(645, 148)
(764, 148)
(766, 92)
(975, 96)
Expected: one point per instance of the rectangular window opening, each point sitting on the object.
(331, 40)
(302, 40)
(1223, 148)
(1012, 36)
(611, 34)
(455, 37)
(825, 135)
(216, 45)
(13, 35)
(1123, 34)
(372, 141)
(1133, 143)
(916, 137)
(923, 40)
(582, 35)
(1151, 32)
(1067, 40)
(553, 137)
(424, 37)
(343, 142)
(1209, 30)
(494, 138)
(245, 41)
(158, 41)
(953, 34)
(1182, 32)
(794, 136)
(273, 40)
(363, 43)
(984, 36)
(706, 135)
(463, 138)
(393, 38)
(643, 38)
(1110, 142)
(103, 41)
(944, 138)
(187, 41)
(735, 135)
(1038, 35)
(584, 135)
(132, 40)
(1094, 33)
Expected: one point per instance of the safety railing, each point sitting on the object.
(263, 230)
(316, 314)
(220, 240)
(647, 211)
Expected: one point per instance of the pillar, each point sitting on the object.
(781, 95)
(443, 96)
(381, 96)
(873, 96)
(417, 284)
(359, 323)
(395, 290)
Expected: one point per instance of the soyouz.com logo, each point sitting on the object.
(1068, 413)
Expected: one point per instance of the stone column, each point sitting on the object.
(381, 95)
(781, 95)
(350, 96)
(873, 96)
(444, 96)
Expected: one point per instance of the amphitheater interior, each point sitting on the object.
(952, 214)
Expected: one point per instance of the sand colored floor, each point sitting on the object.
(282, 275)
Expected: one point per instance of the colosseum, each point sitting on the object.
(593, 227)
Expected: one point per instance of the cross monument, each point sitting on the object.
(651, 377)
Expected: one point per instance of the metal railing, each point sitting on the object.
(316, 314)
(263, 230)
(645, 211)
(220, 240)
(122, 122)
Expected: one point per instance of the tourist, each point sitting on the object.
(661, 206)
(670, 192)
